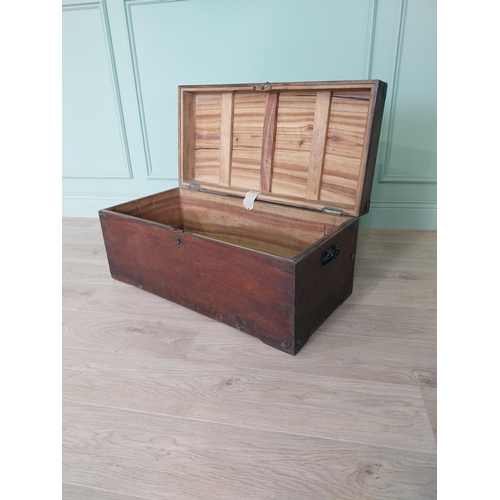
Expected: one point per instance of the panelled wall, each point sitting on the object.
(124, 59)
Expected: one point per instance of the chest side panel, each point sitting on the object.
(247, 290)
(324, 281)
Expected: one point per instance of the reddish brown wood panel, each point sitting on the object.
(247, 290)
(320, 289)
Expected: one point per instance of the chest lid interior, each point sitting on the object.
(312, 145)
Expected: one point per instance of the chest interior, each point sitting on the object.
(270, 228)
(303, 147)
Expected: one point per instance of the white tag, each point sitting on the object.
(249, 199)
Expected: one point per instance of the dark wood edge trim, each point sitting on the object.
(371, 157)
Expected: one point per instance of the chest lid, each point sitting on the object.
(311, 145)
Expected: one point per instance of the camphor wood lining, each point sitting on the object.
(310, 144)
(274, 229)
(268, 142)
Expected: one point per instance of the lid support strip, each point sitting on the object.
(187, 140)
(226, 138)
(268, 142)
(318, 144)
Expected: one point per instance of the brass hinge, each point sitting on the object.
(197, 187)
(264, 86)
(332, 210)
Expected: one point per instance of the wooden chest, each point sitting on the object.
(278, 266)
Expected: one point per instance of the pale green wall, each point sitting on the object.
(123, 61)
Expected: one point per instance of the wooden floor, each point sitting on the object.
(160, 402)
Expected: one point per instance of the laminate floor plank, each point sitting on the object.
(163, 457)
(129, 300)
(399, 293)
(80, 222)
(403, 269)
(84, 251)
(430, 400)
(107, 332)
(161, 402)
(387, 322)
(84, 235)
(76, 294)
(86, 271)
(380, 414)
(326, 354)
(415, 237)
(395, 251)
(77, 492)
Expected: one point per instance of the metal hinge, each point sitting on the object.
(332, 210)
(264, 86)
(197, 187)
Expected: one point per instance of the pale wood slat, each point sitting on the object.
(268, 142)
(170, 458)
(187, 126)
(226, 138)
(317, 157)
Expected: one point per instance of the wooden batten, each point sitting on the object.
(303, 144)
(187, 138)
(268, 142)
(226, 138)
(317, 158)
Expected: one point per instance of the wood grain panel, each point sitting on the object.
(293, 143)
(245, 172)
(249, 113)
(207, 137)
(285, 234)
(207, 165)
(345, 145)
(170, 458)
(370, 413)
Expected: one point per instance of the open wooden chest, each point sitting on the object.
(261, 234)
